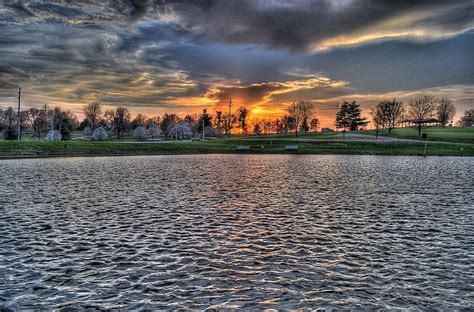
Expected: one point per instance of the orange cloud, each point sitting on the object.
(269, 99)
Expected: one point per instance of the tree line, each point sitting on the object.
(299, 118)
(55, 123)
(58, 124)
(38, 121)
(389, 114)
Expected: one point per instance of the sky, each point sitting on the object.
(157, 56)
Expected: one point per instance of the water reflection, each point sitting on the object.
(233, 231)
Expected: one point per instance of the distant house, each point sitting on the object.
(326, 130)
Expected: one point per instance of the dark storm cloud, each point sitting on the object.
(299, 24)
(162, 53)
(83, 63)
(132, 8)
(295, 25)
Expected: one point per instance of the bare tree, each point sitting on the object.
(377, 119)
(155, 120)
(37, 119)
(314, 124)
(287, 123)
(121, 121)
(109, 116)
(229, 122)
(468, 119)
(300, 111)
(139, 121)
(446, 110)
(92, 112)
(421, 108)
(390, 111)
(267, 126)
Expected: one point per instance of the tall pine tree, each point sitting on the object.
(204, 119)
(348, 116)
(342, 117)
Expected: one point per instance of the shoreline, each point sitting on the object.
(47, 156)
(256, 146)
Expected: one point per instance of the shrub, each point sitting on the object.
(99, 134)
(53, 135)
(9, 133)
(88, 131)
(181, 129)
(154, 131)
(209, 131)
(139, 133)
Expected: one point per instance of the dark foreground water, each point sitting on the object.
(234, 231)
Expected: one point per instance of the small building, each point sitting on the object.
(326, 130)
(422, 121)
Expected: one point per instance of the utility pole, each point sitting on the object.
(203, 129)
(230, 117)
(18, 126)
(52, 127)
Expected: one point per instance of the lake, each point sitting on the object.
(237, 231)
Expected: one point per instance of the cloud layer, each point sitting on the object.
(296, 25)
(181, 56)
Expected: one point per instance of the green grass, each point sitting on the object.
(11, 149)
(289, 136)
(447, 134)
(311, 143)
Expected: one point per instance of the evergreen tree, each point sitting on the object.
(219, 120)
(348, 116)
(242, 119)
(206, 118)
(9, 132)
(342, 117)
(257, 129)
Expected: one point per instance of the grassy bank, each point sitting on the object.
(12, 149)
(447, 134)
(311, 143)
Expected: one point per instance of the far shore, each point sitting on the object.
(401, 141)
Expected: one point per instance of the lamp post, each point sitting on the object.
(425, 136)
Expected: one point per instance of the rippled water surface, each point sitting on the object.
(236, 231)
